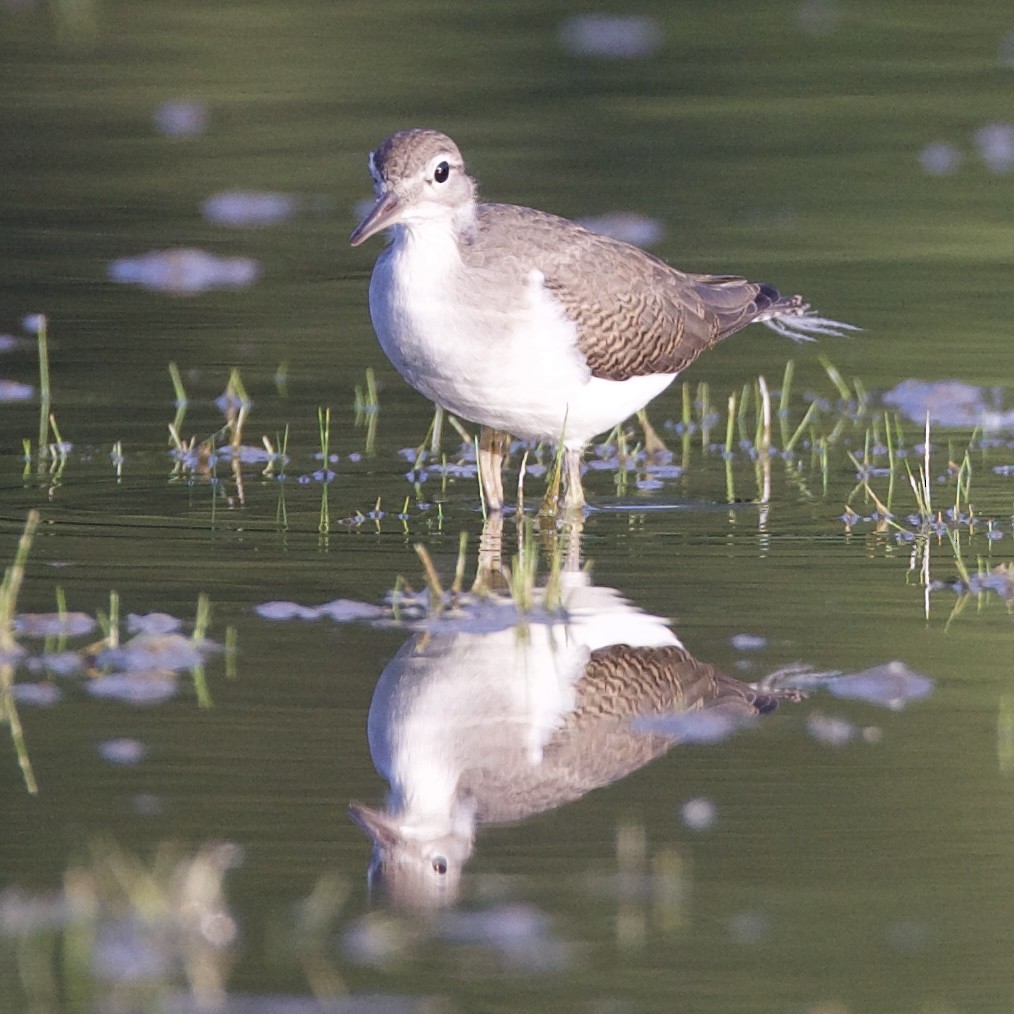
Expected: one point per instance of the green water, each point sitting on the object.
(873, 876)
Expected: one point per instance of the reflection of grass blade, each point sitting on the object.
(836, 378)
(892, 464)
(921, 488)
(525, 569)
(176, 425)
(803, 423)
(459, 567)
(730, 423)
(955, 540)
(762, 438)
(9, 591)
(432, 579)
(13, 578)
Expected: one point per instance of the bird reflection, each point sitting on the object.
(493, 714)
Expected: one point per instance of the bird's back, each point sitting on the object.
(635, 314)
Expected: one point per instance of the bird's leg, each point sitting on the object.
(573, 498)
(493, 447)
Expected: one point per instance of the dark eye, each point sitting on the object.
(439, 862)
(442, 171)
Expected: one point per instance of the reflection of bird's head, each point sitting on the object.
(415, 865)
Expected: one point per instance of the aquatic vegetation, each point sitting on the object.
(55, 450)
(143, 670)
(764, 440)
(125, 926)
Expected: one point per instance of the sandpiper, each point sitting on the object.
(529, 324)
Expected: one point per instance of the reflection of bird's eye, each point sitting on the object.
(441, 172)
(439, 865)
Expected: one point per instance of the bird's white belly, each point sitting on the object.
(498, 357)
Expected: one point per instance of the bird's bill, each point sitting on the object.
(384, 213)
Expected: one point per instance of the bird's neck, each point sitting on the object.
(432, 235)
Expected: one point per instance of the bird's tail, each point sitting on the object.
(792, 318)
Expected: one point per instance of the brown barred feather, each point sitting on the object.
(635, 314)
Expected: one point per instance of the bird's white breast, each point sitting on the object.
(490, 344)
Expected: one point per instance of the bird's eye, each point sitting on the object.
(439, 862)
(442, 171)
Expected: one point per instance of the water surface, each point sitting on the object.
(794, 144)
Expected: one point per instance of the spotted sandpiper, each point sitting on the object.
(529, 324)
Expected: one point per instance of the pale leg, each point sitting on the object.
(573, 498)
(493, 447)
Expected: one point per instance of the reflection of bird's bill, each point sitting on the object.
(377, 824)
(414, 866)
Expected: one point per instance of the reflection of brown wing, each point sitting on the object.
(599, 743)
(626, 681)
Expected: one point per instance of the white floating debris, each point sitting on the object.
(246, 209)
(892, 685)
(909, 937)
(818, 18)
(38, 695)
(519, 934)
(33, 323)
(995, 144)
(152, 623)
(53, 624)
(185, 271)
(61, 663)
(748, 927)
(1007, 50)
(339, 610)
(131, 689)
(748, 642)
(940, 158)
(699, 814)
(13, 390)
(124, 752)
(349, 611)
(186, 118)
(830, 730)
(361, 209)
(147, 804)
(626, 226)
(692, 726)
(153, 653)
(612, 36)
(950, 403)
(279, 610)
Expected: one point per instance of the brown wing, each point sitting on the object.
(635, 314)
